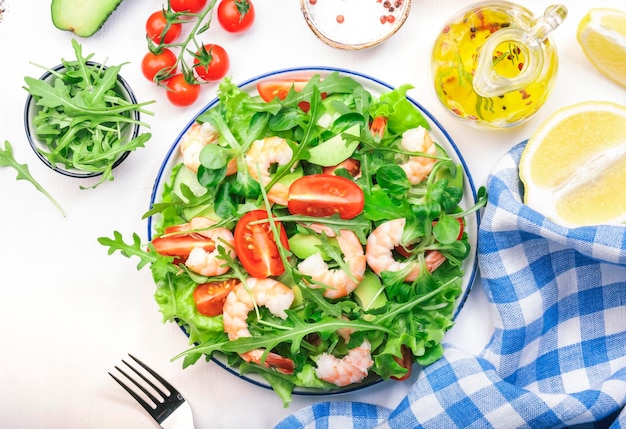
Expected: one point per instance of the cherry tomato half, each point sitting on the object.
(211, 62)
(155, 26)
(270, 89)
(406, 362)
(235, 16)
(191, 6)
(210, 297)
(162, 64)
(256, 246)
(180, 92)
(324, 195)
(170, 244)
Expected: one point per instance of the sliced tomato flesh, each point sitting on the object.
(256, 246)
(322, 195)
(279, 88)
(210, 297)
(181, 244)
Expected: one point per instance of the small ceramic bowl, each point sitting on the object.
(31, 109)
(355, 24)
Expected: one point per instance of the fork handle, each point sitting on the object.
(179, 419)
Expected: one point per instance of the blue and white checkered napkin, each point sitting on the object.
(557, 357)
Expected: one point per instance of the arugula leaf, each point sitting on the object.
(380, 206)
(117, 243)
(7, 159)
(83, 120)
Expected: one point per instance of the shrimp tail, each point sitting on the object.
(272, 361)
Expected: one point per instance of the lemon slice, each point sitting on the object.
(602, 35)
(574, 166)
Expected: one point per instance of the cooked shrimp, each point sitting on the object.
(241, 300)
(262, 154)
(417, 168)
(340, 283)
(352, 368)
(196, 138)
(381, 243)
(201, 261)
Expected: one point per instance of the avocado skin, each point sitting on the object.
(82, 17)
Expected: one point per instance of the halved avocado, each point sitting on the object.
(82, 17)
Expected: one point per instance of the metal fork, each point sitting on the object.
(171, 410)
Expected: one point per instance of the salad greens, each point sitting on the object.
(7, 159)
(395, 316)
(83, 118)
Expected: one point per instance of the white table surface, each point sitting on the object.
(70, 312)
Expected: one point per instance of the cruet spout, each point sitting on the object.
(525, 44)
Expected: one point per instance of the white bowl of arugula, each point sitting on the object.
(82, 118)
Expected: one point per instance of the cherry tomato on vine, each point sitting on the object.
(323, 195)
(162, 64)
(180, 92)
(235, 16)
(156, 25)
(256, 246)
(211, 62)
(209, 297)
(191, 6)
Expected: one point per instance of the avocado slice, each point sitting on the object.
(370, 294)
(82, 17)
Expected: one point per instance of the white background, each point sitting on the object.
(70, 312)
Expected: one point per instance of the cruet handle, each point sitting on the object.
(488, 83)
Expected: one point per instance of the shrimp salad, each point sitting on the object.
(312, 234)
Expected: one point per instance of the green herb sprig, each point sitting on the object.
(7, 159)
(82, 119)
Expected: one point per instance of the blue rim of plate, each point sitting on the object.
(474, 268)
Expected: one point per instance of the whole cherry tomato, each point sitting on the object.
(191, 6)
(180, 92)
(158, 30)
(211, 62)
(162, 64)
(235, 16)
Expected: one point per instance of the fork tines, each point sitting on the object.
(160, 408)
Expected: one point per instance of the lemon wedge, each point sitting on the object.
(574, 166)
(602, 35)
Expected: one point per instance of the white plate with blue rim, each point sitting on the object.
(375, 87)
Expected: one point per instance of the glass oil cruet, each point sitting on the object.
(493, 64)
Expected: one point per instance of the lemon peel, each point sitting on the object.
(602, 35)
(574, 166)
